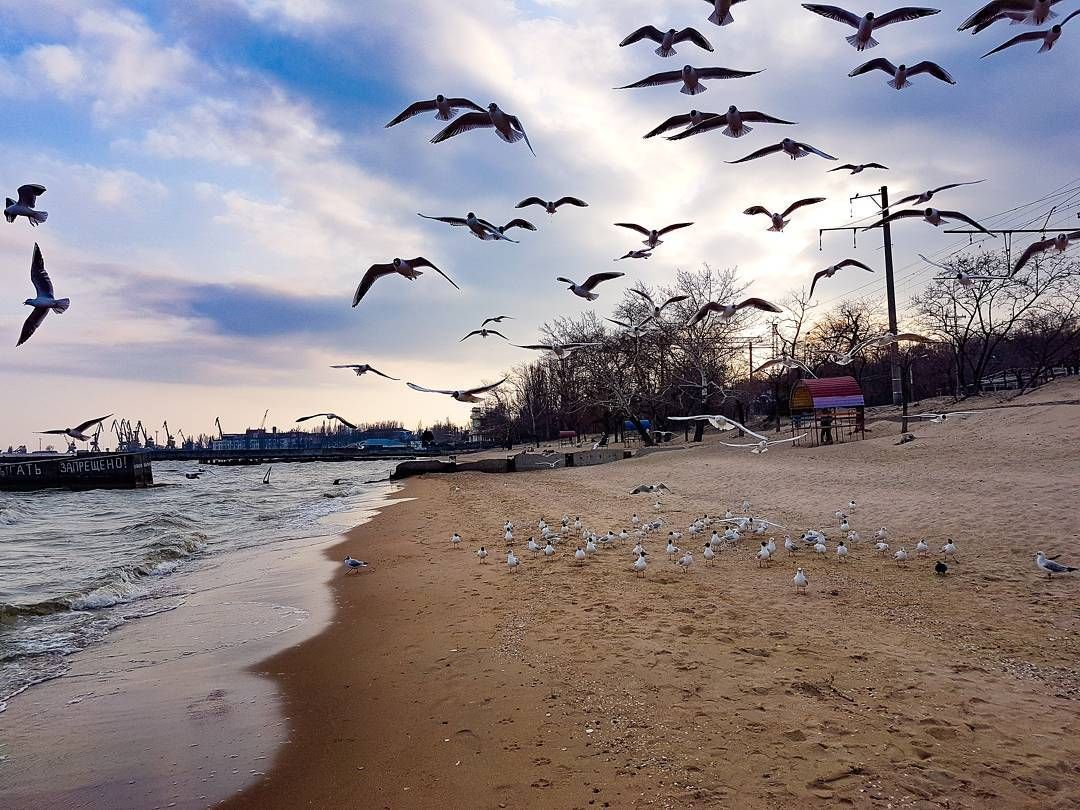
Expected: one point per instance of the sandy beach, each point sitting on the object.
(444, 682)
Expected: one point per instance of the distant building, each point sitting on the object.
(260, 439)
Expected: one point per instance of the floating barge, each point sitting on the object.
(83, 471)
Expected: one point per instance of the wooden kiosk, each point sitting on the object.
(831, 410)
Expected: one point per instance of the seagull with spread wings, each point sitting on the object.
(1048, 37)
(363, 368)
(585, 289)
(506, 126)
(931, 215)
(780, 220)
(444, 108)
(44, 300)
(636, 331)
(551, 206)
(24, 206)
(523, 224)
(560, 350)
(901, 73)
(330, 417)
(829, 272)
(721, 11)
(858, 168)
(461, 395)
(687, 120)
(732, 123)
(496, 319)
(727, 311)
(1033, 12)
(785, 362)
(667, 39)
(716, 420)
(658, 309)
(483, 333)
(690, 78)
(480, 228)
(635, 254)
(793, 149)
(964, 279)
(653, 236)
(926, 196)
(403, 267)
(1059, 243)
(763, 443)
(78, 433)
(866, 25)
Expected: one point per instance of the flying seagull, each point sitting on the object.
(363, 368)
(648, 488)
(1034, 12)
(928, 195)
(402, 267)
(859, 168)
(1048, 37)
(763, 442)
(24, 207)
(506, 126)
(483, 333)
(464, 395)
(43, 300)
(658, 309)
(560, 350)
(496, 319)
(780, 220)
(787, 363)
(524, 224)
(636, 331)
(551, 206)
(79, 431)
(690, 77)
(1058, 243)
(585, 290)
(901, 73)
(667, 39)
(889, 338)
(480, 228)
(829, 272)
(446, 108)
(721, 13)
(330, 416)
(793, 149)
(690, 119)
(931, 215)
(962, 278)
(733, 123)
(653, 235)
(727, 311)
(635, 254)
(1050, 567)
(717, 421)
(867, 24)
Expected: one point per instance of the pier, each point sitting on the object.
(88, 471)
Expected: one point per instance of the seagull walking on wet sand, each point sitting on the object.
(800, 581)
(949, 550)
(403, 267)
(330, 417)
(733, 123)
(354, 566)
(24, 206)
(1048, 37)
(585, 289)
(363, 368)
(667, 40)
(831, 271)
(461, 395)
(690, 78)
(1043, 563)
(793, 149)
(780, 220)
(507, 127)
(443, 107)
(841, 551)
(725, 312)
(866, 25)
(653, 239)
(44, 300)
(901, 73)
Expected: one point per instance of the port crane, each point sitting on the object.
(220, 432)
(170, 440)
(94, 446)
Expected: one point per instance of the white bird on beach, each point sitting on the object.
(24, 206)
(901, 556)
(363, 368)
(512, 562)
(443, 107)
(949, 549)
(685, 561)
(461, 395)
(1048, 37)
(354, 565)
(658, 488)
(869, 23)
(938, 418)
(579, 555)
(763, 555)
(402, 267)
(508, 535)
(820, 547)
(690, 78)
(851, 506)
(672, 549)
(667, 39)
(853, 537)
(532, 546)
(901, 73)
(725, 312)
(771, 545)
(841, 551)
(832, 270)
(652, 236)
(922, 548)
(800, 580)
(733, 123)
(506, 126)
(585, 289)
(882, 547)
(881, 534)
(789, 544)
(44, 300)
(640, 564)
(455, 539)
(1043, 563)
(793, 149)
(482, 554)
(549, 550)
(635, 520)
(781, 219)
(78, 432)
(708, 554)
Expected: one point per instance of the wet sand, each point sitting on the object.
(443, 682)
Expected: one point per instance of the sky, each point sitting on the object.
(219, 178)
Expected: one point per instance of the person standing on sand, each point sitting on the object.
(826, 427)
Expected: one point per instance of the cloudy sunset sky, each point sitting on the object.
(219, 179)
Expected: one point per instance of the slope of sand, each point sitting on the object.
(448, 683)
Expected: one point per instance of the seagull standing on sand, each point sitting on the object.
(867, 24)
(549, 550)
(690, 78)
(355, 566)
(829, 272)
(901, 73)
(780, 220)
(579, 555)
(444, 108)
(24, 206)
(512, 562)
(402, 267)
(901, 556)
(1051, 567)
(482, 554)
(653, 240)
(1048, 37)
(763, 555)
(363, 368)
(330, 417)
(640, 564)
(461, 395)
(455, 540)
(667, 39)
(800, 581)
(708, 553)
(949, 550)
(685, 561)
(841, 551)
(585, 290)
(732, 123)
(793, 149)
(506, 126)
(726, 312)
(44, 299)
(922, 548)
